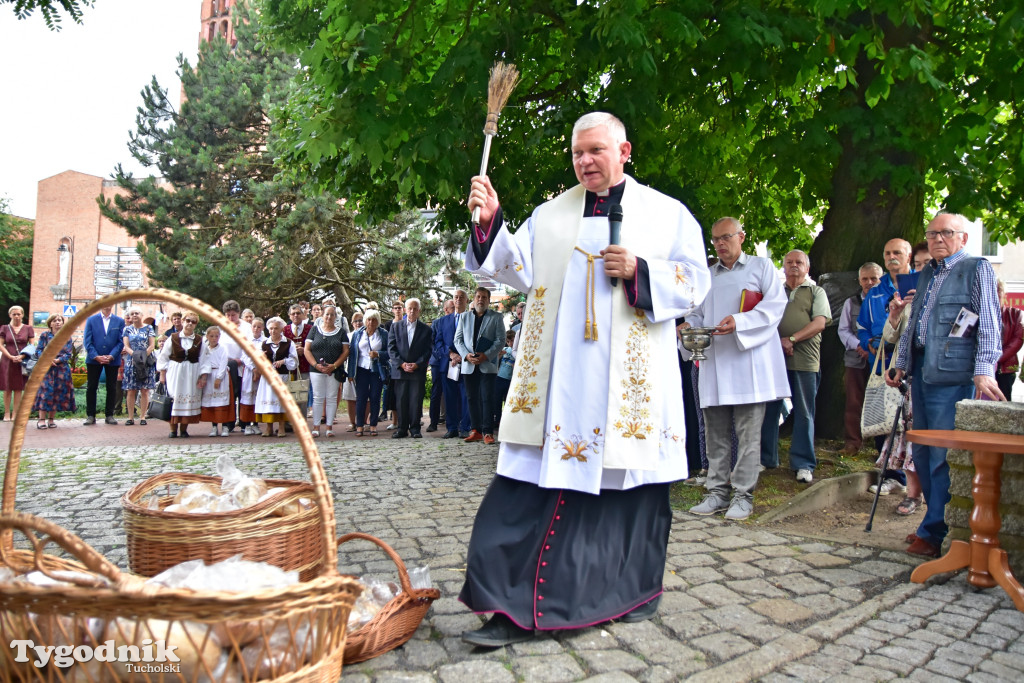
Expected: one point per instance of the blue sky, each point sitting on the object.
(69, 96)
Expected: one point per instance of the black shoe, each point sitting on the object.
(641, 613)
(172, 435)
(450, 435)
(417, 435)
(111, 420)
(432, 428)
(400, 434)
(91, 420)
(497, 632)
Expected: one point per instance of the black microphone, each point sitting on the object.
(615, 230)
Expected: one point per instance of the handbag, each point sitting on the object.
(881, 402)
(299, 389)
(160, 403)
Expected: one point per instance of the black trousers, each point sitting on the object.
(94, 371)
(236, 382)
(480, 395)
(408, 395)
(437, 377)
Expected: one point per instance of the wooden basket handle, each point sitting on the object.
(30, 525)
(297, 418)
(403, 573)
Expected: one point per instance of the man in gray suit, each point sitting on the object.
(409, 347)
(478, 340)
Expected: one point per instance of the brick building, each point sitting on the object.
(77, 253)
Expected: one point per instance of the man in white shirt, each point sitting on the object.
(744, 370)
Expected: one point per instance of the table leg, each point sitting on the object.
(957, 557)
(999, 566)
(985, 520)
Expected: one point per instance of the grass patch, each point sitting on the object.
(778, 486)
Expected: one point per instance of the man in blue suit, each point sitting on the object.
(478, 340)
(438, 368)
(103, 344)
(456, 407)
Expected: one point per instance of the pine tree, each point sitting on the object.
(219, 219)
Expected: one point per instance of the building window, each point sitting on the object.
(990, 248)
(224, 29)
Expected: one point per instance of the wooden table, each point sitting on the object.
(986, 562)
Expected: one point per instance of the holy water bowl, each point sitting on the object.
(696, 339)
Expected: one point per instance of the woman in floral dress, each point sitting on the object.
(139, 373)
(56, 391)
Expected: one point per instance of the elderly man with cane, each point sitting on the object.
(949, 349)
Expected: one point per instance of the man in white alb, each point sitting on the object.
(574, 527)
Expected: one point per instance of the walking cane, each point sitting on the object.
(900, 412)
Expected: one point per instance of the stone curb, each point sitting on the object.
(821, 495)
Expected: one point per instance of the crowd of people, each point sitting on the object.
(591, 382)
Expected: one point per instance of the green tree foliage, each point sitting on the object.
(16, 265)
(50, 9)
(217, 221)
(855, 115)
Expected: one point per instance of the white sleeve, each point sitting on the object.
(509, 260)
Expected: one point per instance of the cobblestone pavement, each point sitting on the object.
(741, 602)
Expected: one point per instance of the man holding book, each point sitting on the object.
(479, 339)
(744, 368)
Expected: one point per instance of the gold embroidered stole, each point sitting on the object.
(556, 229)
(636, 377)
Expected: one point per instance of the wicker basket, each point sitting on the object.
(158, 539)
(303, 625)
(395, 623)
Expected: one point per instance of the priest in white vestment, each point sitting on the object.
(574, 528)
(744, 370)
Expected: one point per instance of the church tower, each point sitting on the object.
(215, 20)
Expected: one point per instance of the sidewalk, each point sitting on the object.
(741, 603)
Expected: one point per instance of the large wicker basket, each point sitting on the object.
(303, 625)
(158, 539)
(397, 621)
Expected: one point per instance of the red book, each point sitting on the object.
(748, 299)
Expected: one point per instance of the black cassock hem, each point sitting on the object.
(557, 559)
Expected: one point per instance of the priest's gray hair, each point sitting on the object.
(600, 118)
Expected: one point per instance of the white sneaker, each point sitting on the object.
(225, 432)
(804, 476)
(888, 486)
(214, 432)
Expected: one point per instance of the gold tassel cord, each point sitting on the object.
(590, 306)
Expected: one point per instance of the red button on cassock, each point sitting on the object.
(547, 547)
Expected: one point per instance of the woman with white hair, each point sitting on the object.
(367, 365)
(281, 353)
(14, 337)
(138, 364)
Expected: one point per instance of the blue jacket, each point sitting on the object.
(439, 350)
(99, 344)
(873, 314)
(381, 366)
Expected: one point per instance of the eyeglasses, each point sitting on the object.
(944, 234)
(722, 239)
(188, 321)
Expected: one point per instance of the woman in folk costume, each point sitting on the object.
(178, 365)
(574, 527)
(217, 404)
(247, 399)
(282, 354)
